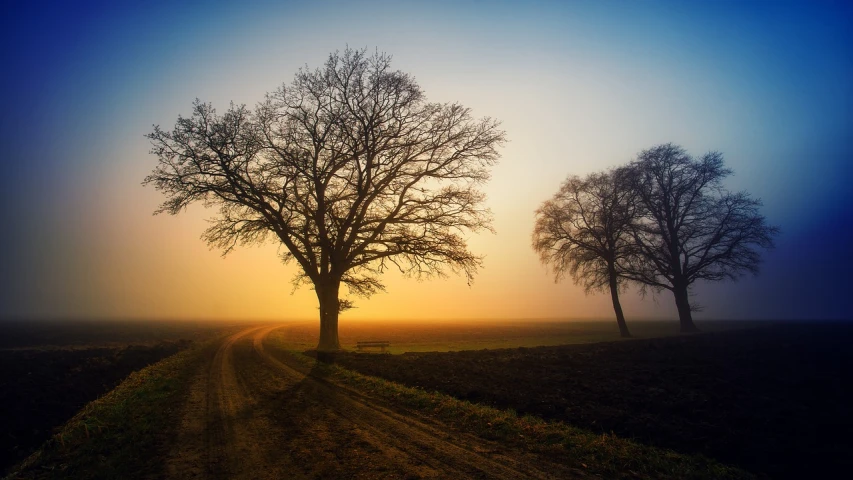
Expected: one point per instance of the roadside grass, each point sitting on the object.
(606, 455)
(118, 435)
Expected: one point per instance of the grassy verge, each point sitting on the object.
(117, 435)
(606, 455)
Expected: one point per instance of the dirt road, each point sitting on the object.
(252, 414)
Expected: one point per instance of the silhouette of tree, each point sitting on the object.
(690, 228)
(349, 167)
(583, 230)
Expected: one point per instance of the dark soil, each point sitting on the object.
(773, 400)
(40, 389)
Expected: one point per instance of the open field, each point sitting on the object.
(769, 398)
(51, 369)
(243, 406)
(773, 400)
(447, 335)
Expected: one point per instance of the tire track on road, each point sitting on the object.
(252, 415)
(444, 453)
(219, 434)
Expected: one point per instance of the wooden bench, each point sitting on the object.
(362, 345)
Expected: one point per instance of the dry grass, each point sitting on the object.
(118, 435)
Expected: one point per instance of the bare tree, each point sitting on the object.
(691, 228)
(583, 230)
(349, 167)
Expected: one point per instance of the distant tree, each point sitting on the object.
(583, 230)
(349, 167)
(691, 228)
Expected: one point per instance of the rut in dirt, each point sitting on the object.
(251, 414)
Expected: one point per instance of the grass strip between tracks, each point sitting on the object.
(119, 434)
(606, 455)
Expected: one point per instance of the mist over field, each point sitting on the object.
(578, 88)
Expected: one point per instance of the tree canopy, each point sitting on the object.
(689, 226)
(663, 221)
(349, 167)
(583, 231)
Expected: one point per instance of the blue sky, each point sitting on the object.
(579, 86)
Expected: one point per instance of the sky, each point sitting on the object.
(579, 87)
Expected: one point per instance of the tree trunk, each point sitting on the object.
(327, 294)
(682, 302)
(617, 307)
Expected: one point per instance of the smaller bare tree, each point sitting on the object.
(583, 231)
(691, 228)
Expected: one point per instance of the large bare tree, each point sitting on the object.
(349, 167)
(690, 227)
(583, 231)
